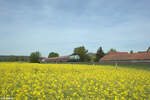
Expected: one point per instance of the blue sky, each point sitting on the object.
(61, 25)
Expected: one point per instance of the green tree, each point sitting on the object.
(53, 54)
(35, 57)
(12, 58)
(100, 53)
(87, 58)
(148, 50)
(112, 50)
(93, 58)
(82, 52)
(21, 58)
(131, 52)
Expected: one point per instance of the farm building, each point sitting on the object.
(125, 57)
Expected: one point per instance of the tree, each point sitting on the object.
(21, 58)
(100, 53)
(12, 58)
(148, 50)
(131, 52)
(87, 58)
(93, 58)
(82, 52)
(35, 57)
(112, 50)
(53, 54)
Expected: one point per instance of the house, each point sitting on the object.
(125, 57)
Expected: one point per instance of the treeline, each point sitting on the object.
(14, 58)
(83, 53)
(35, 57)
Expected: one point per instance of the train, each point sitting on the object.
(73, 58)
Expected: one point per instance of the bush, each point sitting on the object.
(35, 57)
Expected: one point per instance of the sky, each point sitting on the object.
(61, 25)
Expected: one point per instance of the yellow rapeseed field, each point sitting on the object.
(27, 81)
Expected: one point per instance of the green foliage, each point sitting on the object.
(148, 50)
(100, 53)
(82, 52)
(87, 58)
(4, 59)
(131, 51)
(93, 58)
(112, 50)
(12, 58)
(53, 54)
(35, 57)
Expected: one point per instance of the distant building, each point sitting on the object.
(125, 57)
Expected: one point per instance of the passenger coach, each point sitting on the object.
(74, 58)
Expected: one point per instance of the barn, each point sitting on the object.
(125, 57)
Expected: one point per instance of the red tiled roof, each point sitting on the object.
(120, 56)
(140, 56)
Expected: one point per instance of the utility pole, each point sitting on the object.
(116, 64)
